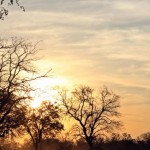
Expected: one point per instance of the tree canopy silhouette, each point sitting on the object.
(16, 72)
(144, 137)
(42, 122)
(95, 114)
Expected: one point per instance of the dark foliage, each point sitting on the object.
(41, 123)
(120, 143)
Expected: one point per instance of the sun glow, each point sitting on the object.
(46, 90)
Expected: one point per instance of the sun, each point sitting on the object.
(46, 90)
(43, 95)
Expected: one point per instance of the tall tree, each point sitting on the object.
(16, 72)
(95, 114)
(42, 122)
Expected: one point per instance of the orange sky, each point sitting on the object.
(95, 43)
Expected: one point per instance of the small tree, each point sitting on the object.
(95, 115)
(41, 123)
(144, 137)
(16, 72)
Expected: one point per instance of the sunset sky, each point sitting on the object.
(93, 42)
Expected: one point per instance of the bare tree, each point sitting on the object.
(95, 115)
(16, 72)
(4, 11)
(41, 123)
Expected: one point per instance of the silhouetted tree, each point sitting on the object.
(16, 71)
(95, 114)
(4, 11)
(12, 121)
(42, 122)
(121, 142)
(144, 141)
(144, 137)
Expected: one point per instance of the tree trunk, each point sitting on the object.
(36, 146)
(93, 147)
(90, 144)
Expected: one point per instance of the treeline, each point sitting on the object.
(115, 142)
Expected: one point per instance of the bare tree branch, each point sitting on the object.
(95, 115)
(4, 11)
(16, 73)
